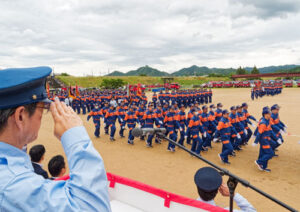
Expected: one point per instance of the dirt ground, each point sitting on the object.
(174, 172)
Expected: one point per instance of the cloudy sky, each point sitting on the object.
(85, 37)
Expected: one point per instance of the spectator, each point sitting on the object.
(37, 155)
(113, 102)
(209, 183)
(57, 167)
(23, 100)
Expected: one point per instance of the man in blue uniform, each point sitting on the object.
(130, 119)
(110, 121)
(23, 98)
(225, 131)
(194, 127)
(264, 135)
(96, 114)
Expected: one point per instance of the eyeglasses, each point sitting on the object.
(45, 107)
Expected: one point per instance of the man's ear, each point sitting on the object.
(19, 117)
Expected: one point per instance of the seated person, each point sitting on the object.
(57, 167)
(37, 154)
(209, 182)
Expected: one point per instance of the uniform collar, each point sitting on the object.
(211, 202)
(14, 156)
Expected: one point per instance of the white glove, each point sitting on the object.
(139, 125)
(253, 125)
(215, 140)
(121, 119)
(281, 132)
(254, 144)
(238, 136)
(285, 129)
(123, 127)
(161, 122)
(245, 131)
(185, 137)
(204, 134)
(279, 141)
(180, 128)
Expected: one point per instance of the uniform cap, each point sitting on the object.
(204, 107)
(22, 86)
(244, 104)
(275, 107)
(225, 112)
(212, 106)
(219, 105)
(266, 111)
(232, 108)
(208, 179)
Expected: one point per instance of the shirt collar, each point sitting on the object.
(211, 202)
(15, 157)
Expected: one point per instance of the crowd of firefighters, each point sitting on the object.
(188, 117)
(265, 90)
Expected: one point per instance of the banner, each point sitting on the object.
(77, 91)
(71, 93)
(139, 90)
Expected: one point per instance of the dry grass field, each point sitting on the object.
(174, 172)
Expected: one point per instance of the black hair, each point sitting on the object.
(36, 152)
(207, 196)
(56, 164)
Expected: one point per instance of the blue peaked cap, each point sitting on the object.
(22, 86)
(208, 179)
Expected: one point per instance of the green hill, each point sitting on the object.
(116, 73)
(142, 71)
(271, 69)
(296, 69)
(199, 71)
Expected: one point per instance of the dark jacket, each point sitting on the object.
(39, 170)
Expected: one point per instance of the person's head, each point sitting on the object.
(208, 180)
(57, 166)
(275, 109)
(204, 109)
(266, 113)
(150, 107)
(37, 153)
(22, 99)
(212, 107)
(225, 113)
(195, 112)
(182, 108)
(245, 106)
(238, 108)
(219, 105)
(233, 109)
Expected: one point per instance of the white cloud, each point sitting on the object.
(81, 37)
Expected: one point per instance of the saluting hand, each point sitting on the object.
(64, 118)
(224, 190)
